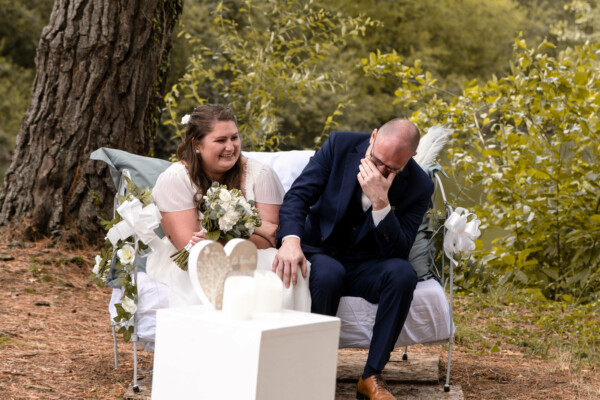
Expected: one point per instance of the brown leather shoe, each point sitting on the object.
(373, 388)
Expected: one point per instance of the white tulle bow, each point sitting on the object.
(137, 220)
(462, 229)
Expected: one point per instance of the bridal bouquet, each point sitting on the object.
(226, 215)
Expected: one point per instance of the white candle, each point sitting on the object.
(269, 291)
(238, 297)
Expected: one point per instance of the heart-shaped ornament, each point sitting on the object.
(210, 264)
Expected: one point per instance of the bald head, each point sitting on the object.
(401, 132)
(393, 145)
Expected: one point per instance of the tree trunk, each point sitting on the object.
(101, 72)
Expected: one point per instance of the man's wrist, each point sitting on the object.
(380, 205)
(379, 215)
(290, 236)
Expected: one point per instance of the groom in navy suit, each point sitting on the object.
(354, 213)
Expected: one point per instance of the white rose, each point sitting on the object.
(128, 305)
(227, 221)
(225, 224)
(245, 204)
(97, 266)
(126, 254)
(250, 227)
(224, 195)
(185, 119)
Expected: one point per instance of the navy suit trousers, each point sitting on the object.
(390, 283)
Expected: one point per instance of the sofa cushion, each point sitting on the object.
(144, 171)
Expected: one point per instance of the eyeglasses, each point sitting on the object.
(380, 163)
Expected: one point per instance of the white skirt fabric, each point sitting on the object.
(295, 297)
(152, 296)
(166, 285)
(161, 268)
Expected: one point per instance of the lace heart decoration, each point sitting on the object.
(210, 264)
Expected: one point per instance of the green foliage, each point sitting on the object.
(530, 142)
(20, 26)
(143, 194)
(451, 37)
(268, 58)
(508, 320)
(40, 273)
(21, 23)
(582, 22)
(8, 339)
(15, 91)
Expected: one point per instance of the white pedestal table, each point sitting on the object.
(202, 354)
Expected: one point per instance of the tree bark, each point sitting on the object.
(101, 72)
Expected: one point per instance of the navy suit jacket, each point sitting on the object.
(319, 198)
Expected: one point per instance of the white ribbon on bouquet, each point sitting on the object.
(137, 220)
(462, 229)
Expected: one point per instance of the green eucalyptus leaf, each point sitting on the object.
(214, 235)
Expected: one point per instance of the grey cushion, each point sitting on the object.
(144, 170)
(423, 251)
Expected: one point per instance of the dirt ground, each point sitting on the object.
(55, 340)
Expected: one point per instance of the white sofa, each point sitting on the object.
(428, 321)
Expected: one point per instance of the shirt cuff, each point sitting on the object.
(379, 215)
(289, 236)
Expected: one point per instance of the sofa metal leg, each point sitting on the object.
(405, 355)
(451, 306)
(447, 385)
(114, 334)
(136, 388)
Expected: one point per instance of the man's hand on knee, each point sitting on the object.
(287, 260)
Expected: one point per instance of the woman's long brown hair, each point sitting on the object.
(201, 123)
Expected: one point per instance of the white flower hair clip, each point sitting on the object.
(185, 119)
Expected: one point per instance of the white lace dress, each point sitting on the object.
(174, 191)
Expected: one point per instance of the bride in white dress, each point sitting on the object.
(211, 151)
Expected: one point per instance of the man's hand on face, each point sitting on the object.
(374, 185)
(287, 260)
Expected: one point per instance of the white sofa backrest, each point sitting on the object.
(287, 164)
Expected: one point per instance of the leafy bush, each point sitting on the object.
(268, 55)
(531, 142)
(15, 93)
(20, 26)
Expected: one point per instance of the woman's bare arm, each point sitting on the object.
(180, 226)
(264, 235)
